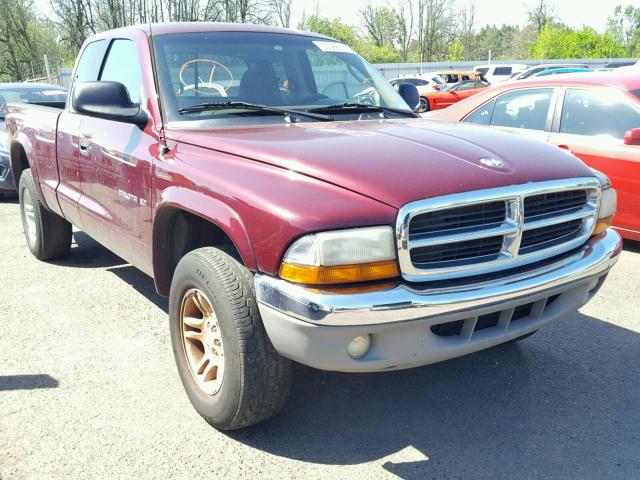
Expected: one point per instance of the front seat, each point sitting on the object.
(259, 85)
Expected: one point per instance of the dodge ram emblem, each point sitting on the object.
(493, 163)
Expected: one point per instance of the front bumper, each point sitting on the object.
(314, 326)
(6, 176)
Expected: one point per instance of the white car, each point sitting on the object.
(497, 72)
(425, 82)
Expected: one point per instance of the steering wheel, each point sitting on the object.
(219, 87)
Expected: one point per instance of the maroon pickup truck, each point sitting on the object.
(292, 207)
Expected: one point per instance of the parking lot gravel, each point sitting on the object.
(88, 389)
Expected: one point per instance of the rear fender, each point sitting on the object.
(21, 142)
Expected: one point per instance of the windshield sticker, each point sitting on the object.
(334, 47)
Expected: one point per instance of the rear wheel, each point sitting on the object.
(228, 366)
(48, 235)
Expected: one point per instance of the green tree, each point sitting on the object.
(332, 28)
(554, 42)
(456, 51)
(381, 24)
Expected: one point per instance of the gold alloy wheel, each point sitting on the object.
(202, 341)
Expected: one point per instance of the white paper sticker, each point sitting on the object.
(335, 47)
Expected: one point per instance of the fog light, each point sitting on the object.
(359, 346)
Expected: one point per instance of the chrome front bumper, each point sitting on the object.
(314, 326)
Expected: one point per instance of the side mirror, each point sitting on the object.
(108, 100)
(409, 94)
(632, 137)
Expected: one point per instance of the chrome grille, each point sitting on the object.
(545, 237)
(553, 203)
(460, 252)
(475, 233)
(471, 216)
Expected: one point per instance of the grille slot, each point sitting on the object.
(545, 237)
(498, 229)
(477, 250)
(439, 222)
(553, 203)
(499, 319)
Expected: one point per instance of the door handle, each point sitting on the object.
(84, 146)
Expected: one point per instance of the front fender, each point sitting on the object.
(210, 209)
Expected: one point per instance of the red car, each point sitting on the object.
(449, 95)
(596, 117)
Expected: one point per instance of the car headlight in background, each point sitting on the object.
(608, 203)
(341, 256)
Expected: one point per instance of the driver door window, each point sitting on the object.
(123, 65)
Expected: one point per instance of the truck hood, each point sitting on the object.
(394, 161)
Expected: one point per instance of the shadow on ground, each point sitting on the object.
(27, 382)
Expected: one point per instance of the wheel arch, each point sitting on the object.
(186, 220)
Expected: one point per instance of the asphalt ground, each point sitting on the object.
(88, 389)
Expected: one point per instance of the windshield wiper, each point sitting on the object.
(201, 107)
(362, 106)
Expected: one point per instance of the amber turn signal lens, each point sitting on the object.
(363, 272)
(602, 225)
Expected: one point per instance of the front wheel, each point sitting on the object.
(232, 374)
(48, 235)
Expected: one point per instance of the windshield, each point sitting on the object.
(30, 95)
(293, 72)
(438, 80)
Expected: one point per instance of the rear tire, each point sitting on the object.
(233, 376)
(48, 235)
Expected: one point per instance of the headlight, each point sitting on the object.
(341, 256)
(608, 203)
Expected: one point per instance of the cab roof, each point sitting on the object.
(198, 27)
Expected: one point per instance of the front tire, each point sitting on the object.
(232, 374)
(48, 235)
